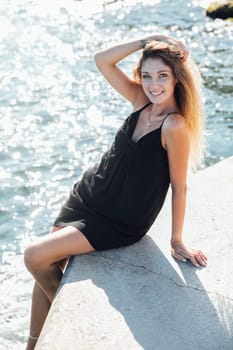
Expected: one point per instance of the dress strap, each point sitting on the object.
(166, 117)
(144, 107)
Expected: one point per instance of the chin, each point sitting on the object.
(159, 99)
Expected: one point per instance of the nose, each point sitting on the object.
(154, 83)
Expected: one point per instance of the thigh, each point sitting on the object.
(61, 244)
(63, 262)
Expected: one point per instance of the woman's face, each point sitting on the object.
(158, 81)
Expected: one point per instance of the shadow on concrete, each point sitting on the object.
(164, 308)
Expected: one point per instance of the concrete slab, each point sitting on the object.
(140, 298)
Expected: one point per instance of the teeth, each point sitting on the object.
(156, 93)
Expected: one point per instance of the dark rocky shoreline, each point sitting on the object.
(220, 9)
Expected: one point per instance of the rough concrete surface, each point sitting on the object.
(140, 298)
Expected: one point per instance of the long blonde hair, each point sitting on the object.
(187, 92)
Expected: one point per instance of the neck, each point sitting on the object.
(161, 109)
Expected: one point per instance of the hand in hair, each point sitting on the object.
(179, 45)
(182, 50)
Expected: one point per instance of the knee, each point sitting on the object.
(31, 257)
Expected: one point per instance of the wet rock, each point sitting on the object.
(220, 9)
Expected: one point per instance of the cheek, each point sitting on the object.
(171, 84)
(144, 85)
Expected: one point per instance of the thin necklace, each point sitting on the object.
(149, 121)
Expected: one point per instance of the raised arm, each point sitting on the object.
(107, 59)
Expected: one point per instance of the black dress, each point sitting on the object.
(117, 200)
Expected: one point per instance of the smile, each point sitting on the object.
(158, 93)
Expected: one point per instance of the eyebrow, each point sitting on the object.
(160, 71)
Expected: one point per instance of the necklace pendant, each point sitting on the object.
(148, 124)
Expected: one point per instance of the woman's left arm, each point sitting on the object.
(176, 141)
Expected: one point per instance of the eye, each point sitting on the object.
(145, 76)
(163, 75)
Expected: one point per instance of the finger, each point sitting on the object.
(201, 260)
(204, 256)
(185, 57)
(185, 54)
(178, 257)
(184, 254)
(200, 255)
(194, 261)
(198, 260)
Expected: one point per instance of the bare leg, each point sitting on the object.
(39, 310)
(46, 259)
(40, 306)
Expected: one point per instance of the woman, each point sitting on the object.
(116, 201)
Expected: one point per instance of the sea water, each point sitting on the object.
(58, 115)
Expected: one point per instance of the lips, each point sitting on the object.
(156, 93)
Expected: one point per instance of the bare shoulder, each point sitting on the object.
(174, 123)
(174, 130)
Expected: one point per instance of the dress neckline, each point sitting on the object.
(150, 132)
